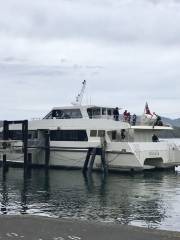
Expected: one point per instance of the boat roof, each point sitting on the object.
(83, 106)
(74, 124)
(146, 127)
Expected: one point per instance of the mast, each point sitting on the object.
(80, 95)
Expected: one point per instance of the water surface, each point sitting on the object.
(150, 199)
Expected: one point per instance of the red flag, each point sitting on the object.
(146, 110)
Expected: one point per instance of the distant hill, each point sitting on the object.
(176, 122)
(175, 133)
(173, 122)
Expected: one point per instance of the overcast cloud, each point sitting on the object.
(127, 50)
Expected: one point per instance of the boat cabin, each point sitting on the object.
(76, 112)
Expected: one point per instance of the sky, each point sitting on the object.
(127, 50)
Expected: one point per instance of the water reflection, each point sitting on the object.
(147, 199)
(4, 194)
(24, 192)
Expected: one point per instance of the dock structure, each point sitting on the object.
(47, 149)
(6, 137)
(43, 143)
(7, 143)
(91, 155)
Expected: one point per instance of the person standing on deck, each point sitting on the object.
(134, 117)
(155, 138)
(125, 115)
(116, 114)
(129, 117)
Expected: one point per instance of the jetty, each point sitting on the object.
(43, 228)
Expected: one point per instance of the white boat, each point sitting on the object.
(75, 129)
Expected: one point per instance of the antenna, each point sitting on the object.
(80, 95)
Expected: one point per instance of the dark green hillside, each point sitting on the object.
(175, 133)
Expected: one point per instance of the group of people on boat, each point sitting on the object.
(127, 117)
(158, 121)
(132, 119)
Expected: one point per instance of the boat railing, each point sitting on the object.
(101, 117)
(36, 118)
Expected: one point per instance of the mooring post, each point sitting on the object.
(25, 143)
(29, 159)
(103, 155)
(85, 167)
(103, 160)
(93, 156)
(47, 150)
(5, 130)
(4, 164)
(4, 194)
(5, 137)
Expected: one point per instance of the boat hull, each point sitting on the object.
(119, 157)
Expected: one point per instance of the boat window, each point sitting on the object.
(103, 111)
(114, 135)
(17, 134)
(93, 112)
(109, 111)
(68, 135)
(48, 116)
(96, 111)
(93, 133)
(101, 133)
(90, 112)
(64, 114)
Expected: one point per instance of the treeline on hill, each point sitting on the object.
(175, 133)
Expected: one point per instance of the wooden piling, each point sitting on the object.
(47, 150)
(5, 137)
(103, 155)
(4, 164)
(5, 130)
(25, 143)
(93, 156)
(103, 161)
(29, 159)
(85, 167)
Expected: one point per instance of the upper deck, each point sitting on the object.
(101, 112)
(79, 112)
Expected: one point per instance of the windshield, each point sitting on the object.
(64, 114)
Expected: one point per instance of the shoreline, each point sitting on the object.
(30, 227)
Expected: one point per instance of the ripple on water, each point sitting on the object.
(146, 199)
